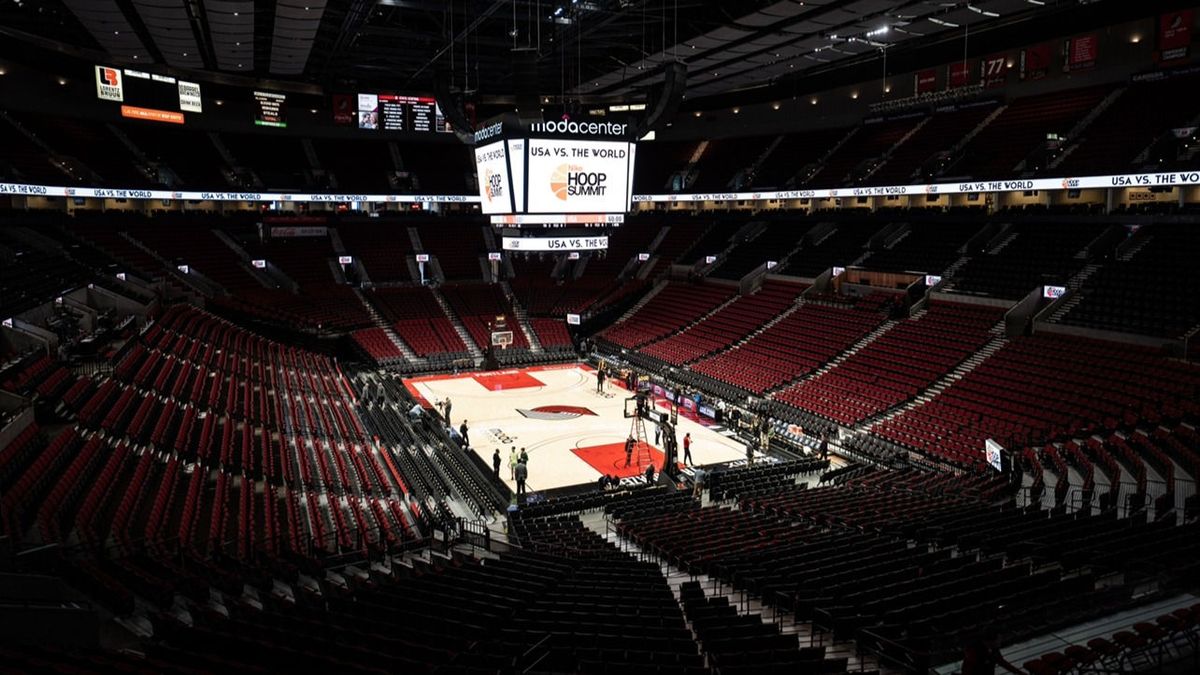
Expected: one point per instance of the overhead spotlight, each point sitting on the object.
(62, 81)
(220, 102)
(813, 101)
(737, 110)
(313, 111)
(696, 114)
(3, 72)
(775, 106)
(1135, 39)
(854, 94)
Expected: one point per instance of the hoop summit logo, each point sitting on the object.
(493, 185)
(570, 180)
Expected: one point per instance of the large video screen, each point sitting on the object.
(270, 109)
(148, 96)
(578, 176)
(397, 112)
(495, 188)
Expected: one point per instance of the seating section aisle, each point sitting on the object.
(727, 326)
(896, 366)
(191, 156)
(1140, 115)
(26, 161)
(93, 143)
(1016, 132)
(477, 306)
(278, 161)
(872, 140)
(1127, 295)
(942, 131)
(1029, 255)
(321, 301)
(927, 247)
(207, 438)
(793, 154)
(383, 247)
(912, 566)
(1047, 388)
(458, 248)
(802, 342)
(607, 613)
(840, 248)
(376, 343)
(724, 158)
(30, 276)
(772, 245)
(416, 316)
(672, 309)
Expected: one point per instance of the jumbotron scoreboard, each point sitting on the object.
(557, 172)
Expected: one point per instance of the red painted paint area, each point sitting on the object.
(504, 380)
(610, 459)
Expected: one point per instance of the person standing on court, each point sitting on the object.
(600, 379)
(687, 448)
(512, 463)
(462, 430)
(447, 402)
(496, 463)
(629, 450)
(522, 472)
(524, 458)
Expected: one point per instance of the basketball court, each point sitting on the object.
(572, 434)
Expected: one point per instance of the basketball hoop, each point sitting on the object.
(502, 337)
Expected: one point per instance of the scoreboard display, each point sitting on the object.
(398, 112)
(270, 109)
(557, 170)
(148, 96)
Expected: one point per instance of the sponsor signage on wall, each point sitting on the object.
(1081, 52)
(1035, 62)
(109, 85)
(1175, 34)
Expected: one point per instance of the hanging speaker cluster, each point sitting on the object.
(453, 106)
(662, 101)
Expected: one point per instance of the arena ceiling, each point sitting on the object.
(583, 48)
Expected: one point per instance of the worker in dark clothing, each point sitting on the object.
(629, 450)
(447, 404)
(650, 474)
(522, 474)
(687, 448)
(496, 463)
(600, 379)
(823, 448)
(462, 430)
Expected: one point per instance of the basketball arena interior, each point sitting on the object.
(599, 336)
